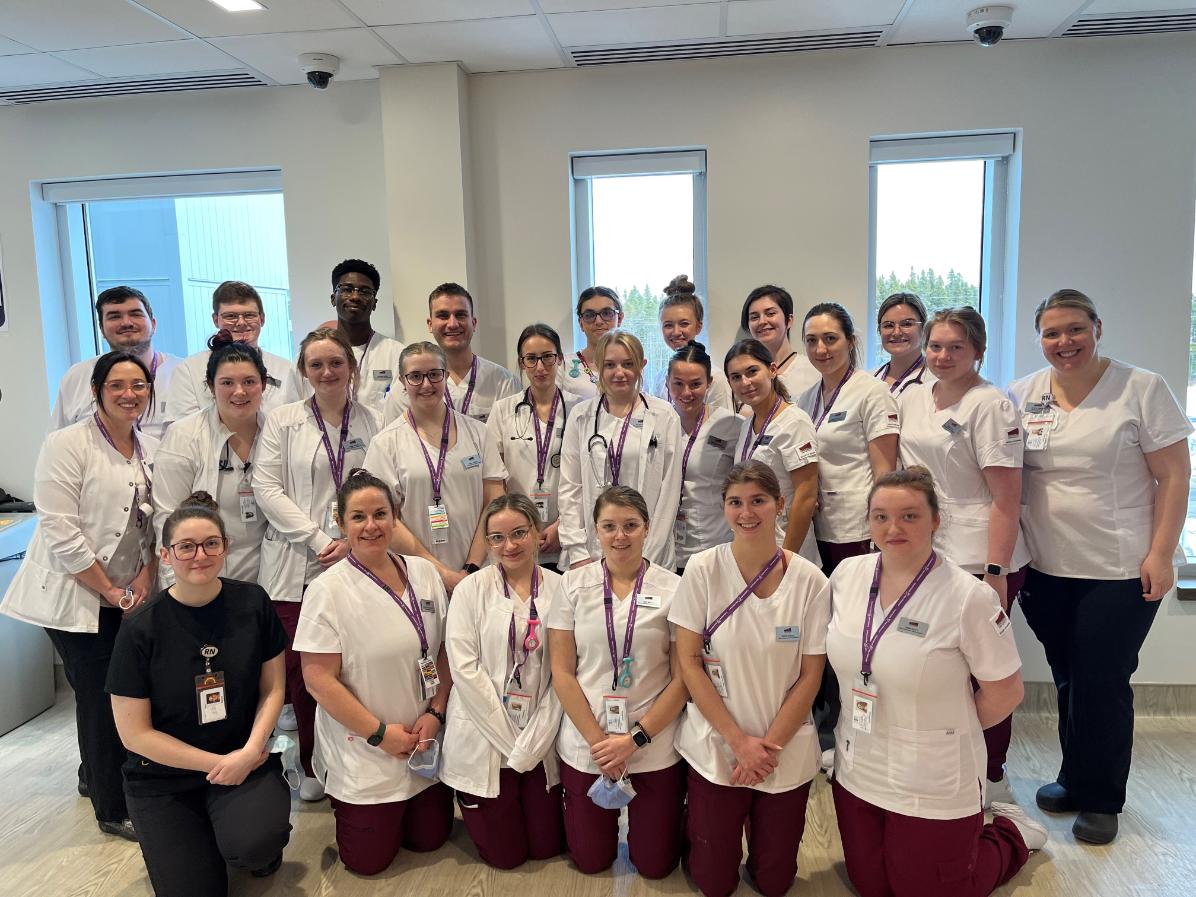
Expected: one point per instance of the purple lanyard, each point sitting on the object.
(543, 444)
(918, 366)
(437, 472)
(689, 447)
(870, 642)
(750, 445)
(624, 677)
(820, 413)
(336, 463)
(708, 632)
(530, 641)
(149, 483)
(615, 455)
(411, 612)
(473, 379)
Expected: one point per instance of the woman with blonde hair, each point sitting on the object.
(681, 317)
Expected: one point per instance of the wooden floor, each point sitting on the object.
(52, 846)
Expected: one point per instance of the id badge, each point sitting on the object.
(540, 500)
(330, 526)
(1037, 438)
(438, 523)
(679, 528)
(427, 606)
(248, 504)
(652, 602)
(209, 694)
(863, 706)
(718, 678)
(428, 677)
(519, 707)
(615, 707)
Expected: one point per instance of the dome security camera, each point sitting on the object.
(319, 68)
(988, 23)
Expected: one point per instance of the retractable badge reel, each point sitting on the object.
(209, 689)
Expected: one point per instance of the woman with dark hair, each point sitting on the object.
(616, 674)
(197, 683)
(212, 451)
(767, 316)
(709, 433)
(899, 321)
(681, 316)
(525, 432)
(371, 634)
(503, 715)
(91, 559)
(599, 311)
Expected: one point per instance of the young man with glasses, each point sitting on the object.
(474, 383)
(237, 308)
(355, 286)
(127, 322)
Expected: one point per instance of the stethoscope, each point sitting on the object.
(597, 438)
(525, 432)
(226, 464)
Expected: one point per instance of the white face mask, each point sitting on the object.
(610, 794)
(426, 763)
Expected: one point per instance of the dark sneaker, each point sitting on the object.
(123, 829)
(1095, 828)
(1054, 798)
(269, 869)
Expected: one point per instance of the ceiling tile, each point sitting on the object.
(1112, 7)
(626, 26)
(946, 20)
(166, 58)
(769, 16)
(11, 47)
(71, 24)
(551, 6)
(483, 45)
(276, 54)
(36, 68)
(206, 19)
(408, 12)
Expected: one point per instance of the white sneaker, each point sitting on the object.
(1033, 833)
(286, 720)
(998, 793)
(312, 789)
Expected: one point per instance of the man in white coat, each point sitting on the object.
(355, 285)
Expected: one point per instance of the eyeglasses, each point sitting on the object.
(548, 359)
(906, 324)
(348, 289)
(607, 314)
(496, 540)
(119, 387)
(416, 378)
(249, 317)
(186, 550)
(630, 528)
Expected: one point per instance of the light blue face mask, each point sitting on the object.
(610, 794)
(426, 763)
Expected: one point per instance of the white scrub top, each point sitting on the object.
(580, 610)
(718, 395)
(922, 378)
(925, 755)
(74, 401)
(981, 430)
(511, 439)
(863, 411)
(700, 521)
(651, 466)
(482, 736)
(493, 382)
(575, 376)
(1088, 497)
(189, 386)
(799, 375)
(788, 444)
(346, 613)
(759, 669)
(377, 370)
(396, 458)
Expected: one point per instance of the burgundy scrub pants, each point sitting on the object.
(369, 836)
(304, 703)
(523, 822)
(717, 815)
(653, 822)
(891, 855)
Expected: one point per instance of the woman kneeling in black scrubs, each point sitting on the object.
(196, 680)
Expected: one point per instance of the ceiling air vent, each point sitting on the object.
(86, 90)
(714, 49)
(1139, 23)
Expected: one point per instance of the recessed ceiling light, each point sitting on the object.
(238, 5)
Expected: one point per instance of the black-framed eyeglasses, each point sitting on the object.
(348, 289)
(607, 314)
(187, 549)
(416, 378)
(548, 359)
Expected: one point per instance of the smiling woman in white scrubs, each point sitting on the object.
(621, 437)
(599, 311)
(371, 634)
(681, 316)
(768, 315)
(909, 630)
(503, 715)
(751, 624)
(899, 321)
(1104, 496)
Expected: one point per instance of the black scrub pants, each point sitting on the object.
(1092, 631)
(188, 839)
(85, 657)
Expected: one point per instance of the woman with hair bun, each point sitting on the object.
(681, 317)
(197, 684)
(213, 450)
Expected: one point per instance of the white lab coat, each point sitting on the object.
(494, 382)
(653, 449)
(83, 489)
(482, 738)
(378, 370)
(290, 458)
(189, 385)
(74, 401)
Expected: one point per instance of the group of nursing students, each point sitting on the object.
(640, 615)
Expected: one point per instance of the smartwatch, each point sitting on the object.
(996, 570)
(380, 733)
(640, 736)
(471, 568)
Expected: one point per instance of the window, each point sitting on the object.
(1187, 539)
(639, 221)
(938, 226)
(175, 239)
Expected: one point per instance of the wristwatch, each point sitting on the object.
(471, 568)
(996, 570)
(640, 736)
(376, 739)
